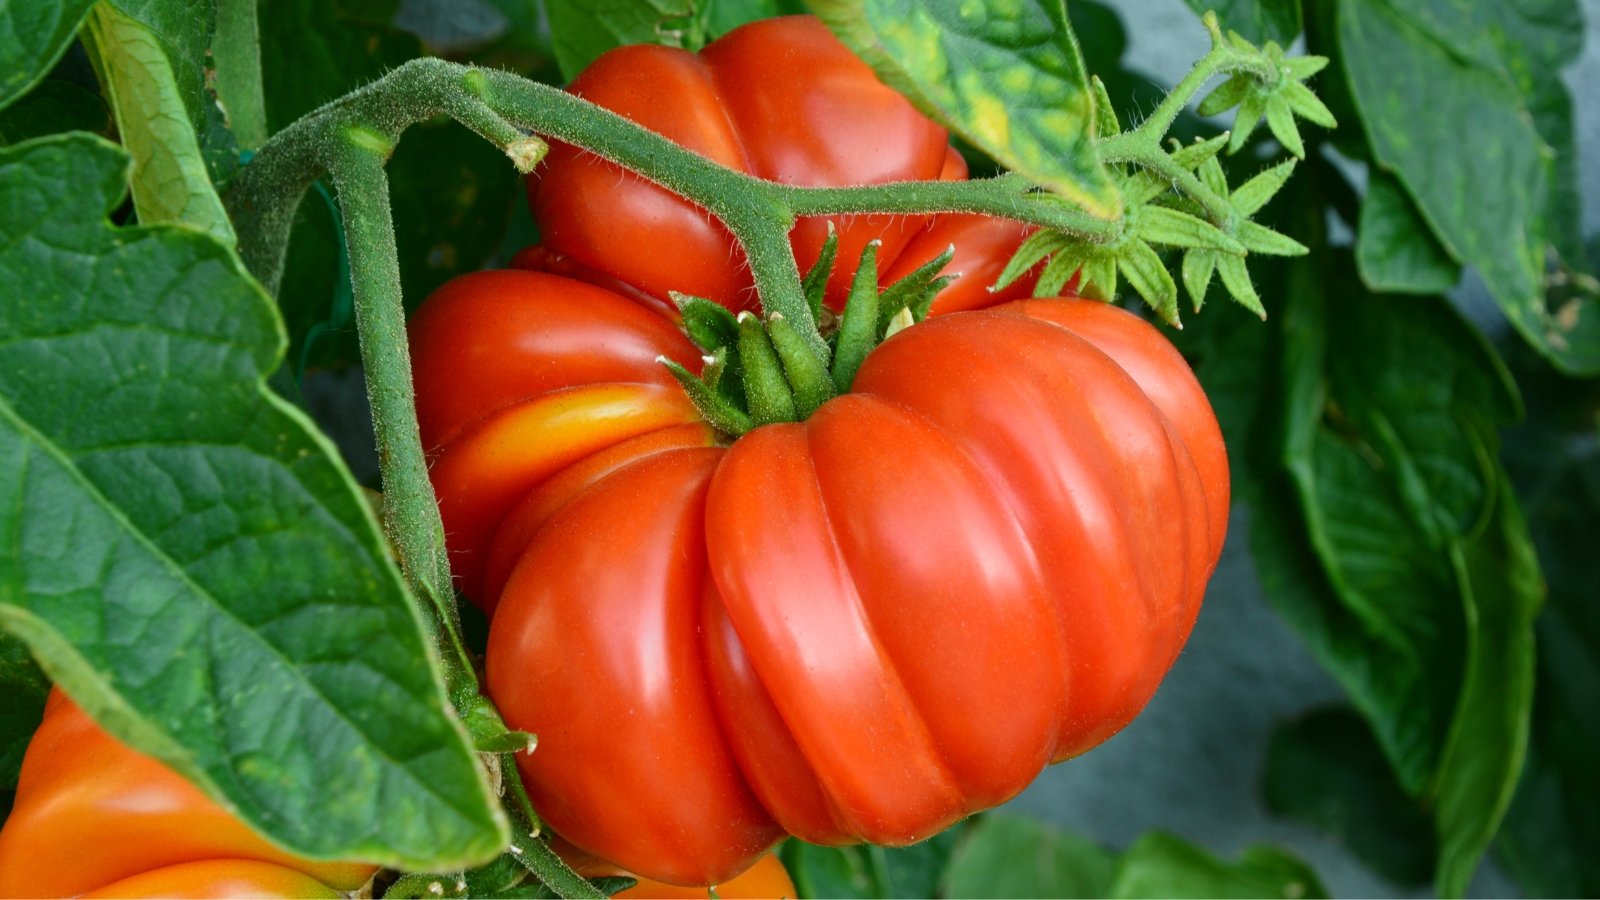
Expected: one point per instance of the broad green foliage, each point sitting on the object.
(1007, 856)
(1161, 865)
(1396, 251)
(33, 35)
(1554, 824)
(865, 871)
(181, 551)
(1009, 79)
(1487, 192)
(1010, 856)
(182, 29)
(1383, 533)
(170, 182)
(1001, 855)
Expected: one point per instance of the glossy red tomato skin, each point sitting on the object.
(731, 643)
(90, 814)
(781, 99)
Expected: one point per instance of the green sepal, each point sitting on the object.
(809, 380)
(766, 390)
(912, 288)
(815, 284)
(1199, 266)
(1249, 197)
(1236, 278)
(1142, 187)
(1200, 151)
(1148, 276)
(715, 369)
(1162, 225)
(920, 304)
(1034, 248)
(1250, 112)
(1105, 115)
(713, 406)
(1227, 95)
(1307, 105)
(1303, 67)
(1063, 264)
(858, 329)
(1261, 239)
(1097, 277)
(1280, 121)
(708, 323)
(1212, 176)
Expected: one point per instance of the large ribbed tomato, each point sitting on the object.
(863, 626)
(97, 819)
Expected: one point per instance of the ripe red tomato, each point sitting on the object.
(95, 818)
(781, 99)
(864, 626)
(860, 627)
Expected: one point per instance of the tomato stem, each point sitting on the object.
(410, 515)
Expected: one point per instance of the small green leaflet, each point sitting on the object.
(170, 181)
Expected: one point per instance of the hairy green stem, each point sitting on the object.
(1223, 57)
(1146, 151)
(531, 848)
(410, 515)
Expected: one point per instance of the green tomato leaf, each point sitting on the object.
(183, 30)
(1487, 197)
(1395, 248)
(170, 181)
(1005, 76)
(867, 871)
(1327, 769)
(1014, 856)
(1258, 20)
(183, 552)
(33, 35)
(581, 30)
(1502, 589)
(1161, 865)
(1397, 558)
(1554, 457)
(51, 108)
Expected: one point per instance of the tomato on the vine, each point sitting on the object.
(95, 818)
(780, 99)
(859, 627)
